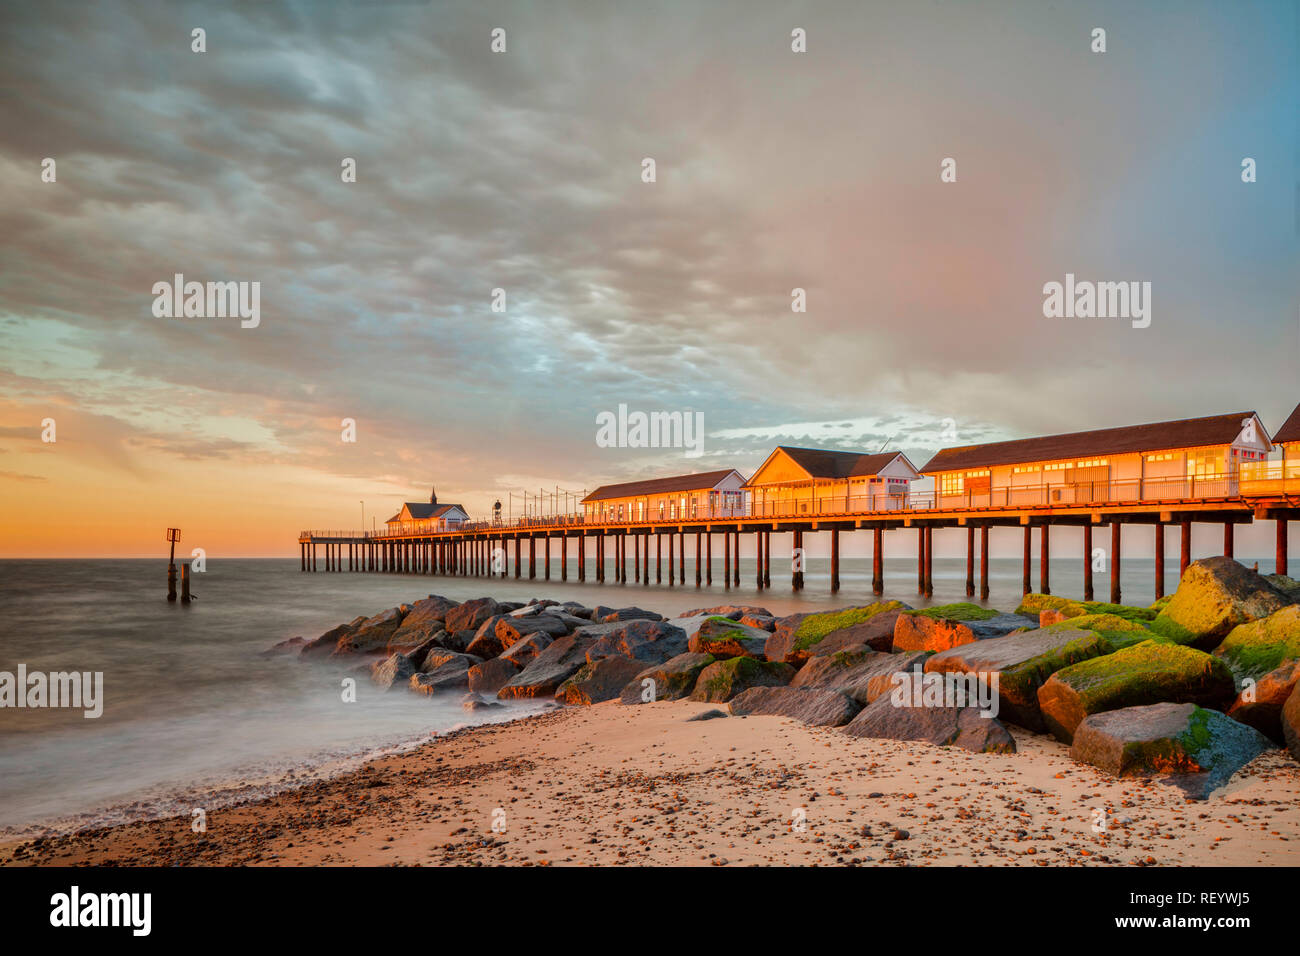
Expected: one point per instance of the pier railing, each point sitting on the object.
(1254, 479)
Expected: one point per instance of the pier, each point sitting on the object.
(497, 548)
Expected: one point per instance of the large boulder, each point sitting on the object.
(942, 726)
(1197, 749)
(511, 630)
(1022, 663)
(875, 632)
(723, 680)
(486, 643)
(525, 651)
(951, 625)
(451, 674)
(372, 634)
(598, 680)
(1063, 608)
(437, 656)
(422, 621)
(796, 636)
(1214, 596)
(396, 669)
(733, 611)
(611, 615)
(815, 706)
(458, 640)
(672, 680)
(1118, 631)
(490, 676)
(723, 637)
(1291, 723)
(551, 668)
(1258, 647)
(329, 641)
(1260, 702)
(1148, 673)
(858, 671)
(470, 615)
(639, 639)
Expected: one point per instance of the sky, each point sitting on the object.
(522, 170)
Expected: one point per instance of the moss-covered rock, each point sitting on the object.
(950, 625)
(796, 636)
(1118, 631)
(723, 637)
(960, 611)
(1257, 647)
(1214, 596)
(1193, 748)
(1021, 663)
(1147, 673)
(671, 680)
(852, 671)
(1034, 604)
(723, 680)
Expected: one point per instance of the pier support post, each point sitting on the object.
(659, 557)
(671, 573)
(1185, 549)
(767, 559)
(726, 559)
(1227, 539)
(1160, 560)
(759, 555)
(1025, 569)
(185, 582)
(532, 558)
(796, 576)
(877, 561)
(546, 572)
(929, 561)
(1280, 550)
(622, 558)
(835, 560)
(735, 567)
(920, 560)
(1087, 561)
(970, 560)
(681, 558)
(645, 550)
(1115, 527)
(708, 559)
(984, 562)
(636, 558)
(582, 556)
(1045, 558)
(699, 571)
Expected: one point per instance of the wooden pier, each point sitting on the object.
(485, 549)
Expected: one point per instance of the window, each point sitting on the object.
(1205, 462)
(1026, 469)
(1165, 456)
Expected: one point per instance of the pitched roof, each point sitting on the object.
(422, 509)
(822, 463)
(660, 486)
(1290, 430)
(1185, 433)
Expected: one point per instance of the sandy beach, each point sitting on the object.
(615, 784)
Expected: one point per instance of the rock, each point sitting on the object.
(475, 702)
(951, 625)
(815, 706)
(1022, 663)
(760, 621)
(526, 651)
(452, 674)
(470, 615)
(507, 607)
(854, 671)
(396, 669)
(794, 636)
(1214, 596)
(1198, 749)
(486, 643)
(942, 726)
(511, 630)
(733, 611)
(672, 680)
(1050, 616)
(1291, 723)
(598, 681)
(291, 646)
(1260, 704)
(1290, 587)
(424, 619)
(438, 656)
(723, 680)
(876, 633)
(611, 615)
(649, 642)
(328, 642)
(1147, 673)
(1118, 631)
(1258, 647)
(1034, 604)
(713, 714)
(372, 634)
(551, 668)
(457, 641)
(490, 676)
(723, 637)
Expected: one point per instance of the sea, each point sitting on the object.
(194, 714)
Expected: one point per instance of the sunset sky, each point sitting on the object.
(522, 170)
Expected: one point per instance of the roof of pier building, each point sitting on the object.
(1184, 433)
(1290, 430)
(703, 481)
(787, 463)
(421, 510)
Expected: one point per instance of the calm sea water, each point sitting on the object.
(189, 703)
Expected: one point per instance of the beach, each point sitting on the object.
(614, 784)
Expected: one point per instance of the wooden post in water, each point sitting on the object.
(1160, 560)
(1114, 561)
(708, 559)
(1227, 539)
(970, 560)
(735, 565)
(1045, 558)
(929, 560)
(699, 571)
(877, 561)
(984, 562)
(173, 535)
(920, 560)
(681, 558)
(1087, 561)
(659, 557)
(1184, 549)
(767, 559)
(1026, 561)
(835, 560)
(726, 559)
(185, 583)
(1280, 550)
(759, 554)
(797, 559)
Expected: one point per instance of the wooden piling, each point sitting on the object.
(758, 559)
(699, 571)
(726, 559)
(970, 560)
(708, 559)
(1045, 558)
(796, 576)
(659, 557)
(1114, 562)
(920, 560)
(835, 560)
(984, 562)
(1087, 562)
(1185, 548)
(1279, 556)
(1025, 568)
(185, 582)
(735, 565)
(767, 559)
(877, 561)
(1160, 560)
(929, 561)
(681, 558)
(1227, 539)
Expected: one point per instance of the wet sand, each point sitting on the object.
(616, 784)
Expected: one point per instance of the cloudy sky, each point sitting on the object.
(522, 170)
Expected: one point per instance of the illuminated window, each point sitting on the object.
(1203, 463)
